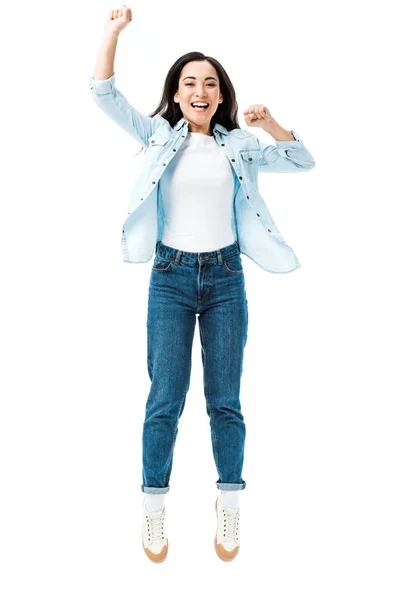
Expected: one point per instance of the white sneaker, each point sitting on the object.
(154, 538)
(226, 540)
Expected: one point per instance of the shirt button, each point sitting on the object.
(164, 164)
(174, 149)
(222, 144)
(153, 182)
(152, 141)
(250, 159)
(269, 230)
(240, 177)
(233, 160)
(248, 197)
(141, 198)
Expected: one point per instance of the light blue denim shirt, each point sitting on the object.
(252, 224)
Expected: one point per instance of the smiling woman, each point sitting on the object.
(198, 207)
(198, 89)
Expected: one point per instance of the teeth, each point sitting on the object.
(199, 105)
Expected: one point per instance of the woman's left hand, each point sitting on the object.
(258, 115)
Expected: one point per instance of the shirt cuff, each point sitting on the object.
(283, 145)
(290, 143)
(102, 86)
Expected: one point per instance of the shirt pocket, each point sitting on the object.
(158, 139)
(250, 157)
(250, 162)
(157, 145)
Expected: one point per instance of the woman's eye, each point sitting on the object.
(211, 84)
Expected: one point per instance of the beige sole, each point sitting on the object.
(154, 557)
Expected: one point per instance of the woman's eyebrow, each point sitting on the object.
(191, 77)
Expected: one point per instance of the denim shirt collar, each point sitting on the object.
(217, 126)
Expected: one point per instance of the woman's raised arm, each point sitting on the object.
(105, 94)
(117, 20)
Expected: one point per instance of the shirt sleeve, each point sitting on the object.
(286, 157)
(116, 106)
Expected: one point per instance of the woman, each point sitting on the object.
(195, 200)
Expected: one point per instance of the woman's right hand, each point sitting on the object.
(117, 20)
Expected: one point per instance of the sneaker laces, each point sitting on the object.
(155, 525)
(231, 523)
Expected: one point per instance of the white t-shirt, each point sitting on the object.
(197, 194)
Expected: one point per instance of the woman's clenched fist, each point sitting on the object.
(118, 19)
(258, 115)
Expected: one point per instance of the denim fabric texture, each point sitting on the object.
(182, 286)
(208, 285)
(252, 224)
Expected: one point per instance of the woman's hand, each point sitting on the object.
(117, 20)
(258, 115)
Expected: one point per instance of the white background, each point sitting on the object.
(320, 392)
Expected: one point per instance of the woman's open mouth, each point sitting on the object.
(200, 106)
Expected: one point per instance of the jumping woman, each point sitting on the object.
(196, 205)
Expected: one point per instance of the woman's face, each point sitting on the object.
(198, 82)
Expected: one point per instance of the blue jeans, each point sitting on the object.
(183, 285)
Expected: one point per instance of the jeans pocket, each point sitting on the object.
(233, 264)
(161, 264)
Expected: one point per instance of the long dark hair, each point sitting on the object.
(226, 113)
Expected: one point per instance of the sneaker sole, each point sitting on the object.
(156, 558)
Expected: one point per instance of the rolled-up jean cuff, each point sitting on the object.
(230, 486)
(154, 490)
